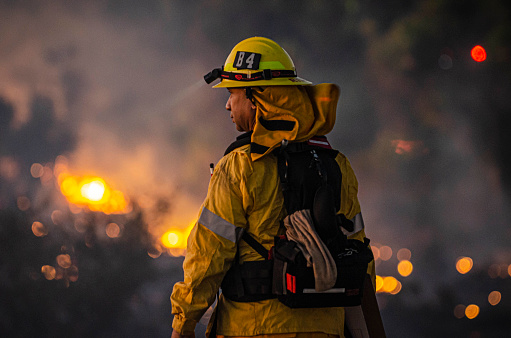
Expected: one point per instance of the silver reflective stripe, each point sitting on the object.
(218, 225)
(358, 221)
(284, 281)
(358, 224)
(336, 290)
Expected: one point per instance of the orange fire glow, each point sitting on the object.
(175, 239)
(408, 147)
(92, 192)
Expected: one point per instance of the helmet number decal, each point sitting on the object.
(247, 60)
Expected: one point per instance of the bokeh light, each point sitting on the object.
(36, 170)
(397, 288)
(72, 273)
(47, 175)
(57, 217)
(459, 311)
(472, 311)
(499, 270)
(376, 252)
(405, 268)
(379, 283)
(48, 271)
(494, 297)
(113, 230)
(389, 284)
(494, 270)
(478, 53)
(154, 252)
(39, 229)
(385, 253)
(23, 203)
(464, 264)
(404, 254)
(64, 261)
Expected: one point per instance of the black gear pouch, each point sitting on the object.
(293, 281)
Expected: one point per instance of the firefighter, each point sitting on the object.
(268, 102)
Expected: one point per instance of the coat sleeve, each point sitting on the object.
(211, 245)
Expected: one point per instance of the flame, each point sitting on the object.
(92, 192)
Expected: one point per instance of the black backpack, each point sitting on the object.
(310, 178)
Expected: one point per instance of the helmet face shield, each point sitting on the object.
(256, 61)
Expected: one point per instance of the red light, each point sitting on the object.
(478, 54)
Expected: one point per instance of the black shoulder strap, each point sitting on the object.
(240, 141)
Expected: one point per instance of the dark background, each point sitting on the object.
(116, 87)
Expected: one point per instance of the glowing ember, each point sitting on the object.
(93, 193)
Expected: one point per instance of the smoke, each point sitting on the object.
(116, 87)
(136, 107)
(126, 81)
(443, 197)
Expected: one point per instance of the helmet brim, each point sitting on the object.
(285, 81)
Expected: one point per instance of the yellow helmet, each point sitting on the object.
(255, 62)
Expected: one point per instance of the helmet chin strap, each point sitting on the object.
(248, 92)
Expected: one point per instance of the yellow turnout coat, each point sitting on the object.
(244, 193)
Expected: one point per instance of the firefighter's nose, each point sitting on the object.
(228, 104)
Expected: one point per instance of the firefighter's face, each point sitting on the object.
(242, 109)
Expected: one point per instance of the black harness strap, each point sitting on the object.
(255, 245)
